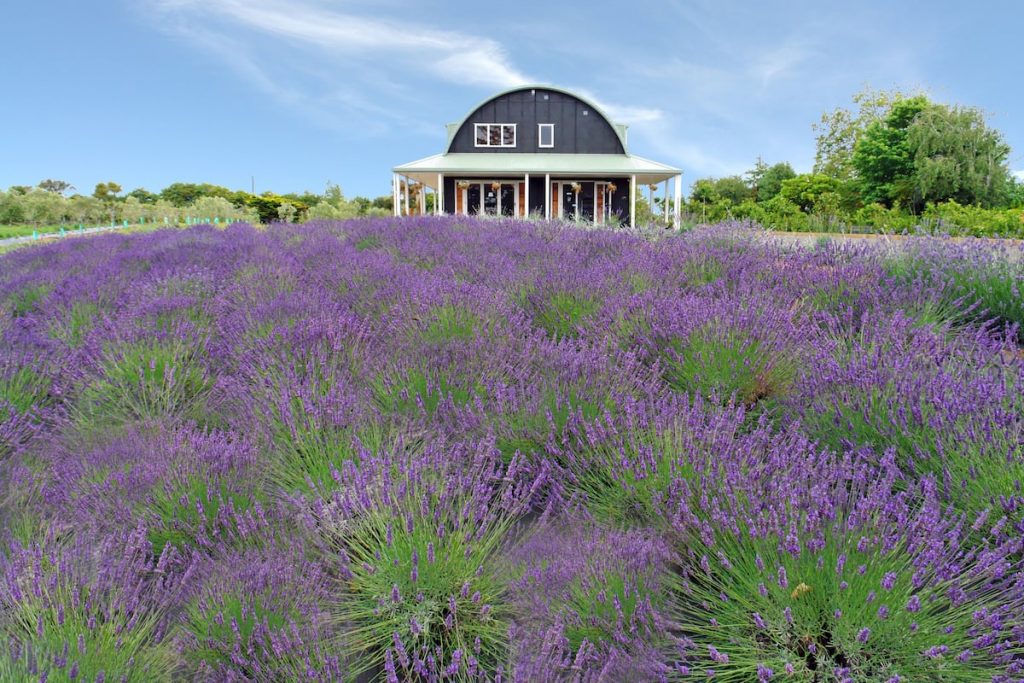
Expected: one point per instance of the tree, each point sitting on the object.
(107, 193)
(56, 186)
(42, 207)
(954, 155)
(1015, 194)
(733, 188)
(215, 207)
(286, 212)
(144, 195)
(766, 181)
(183, 194)
(883, 159)
(384, 202)
(11, 210)
(710, 190)
(84, 209)
(133, 210)
(806, 190)
(838, 131)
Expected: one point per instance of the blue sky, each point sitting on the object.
(297, 93)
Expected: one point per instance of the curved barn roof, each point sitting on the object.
(620, 129)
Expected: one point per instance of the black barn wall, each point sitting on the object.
(579, 129)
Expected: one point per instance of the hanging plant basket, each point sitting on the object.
(576, 187)
(463, 184)
(495, 186)
(612, 187)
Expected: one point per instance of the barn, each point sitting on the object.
(535, 150)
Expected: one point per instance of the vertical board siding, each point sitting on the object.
(575, 133)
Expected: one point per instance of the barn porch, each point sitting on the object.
(599, 188)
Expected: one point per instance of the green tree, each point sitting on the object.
(11, 210)
(956, 156)
(42, 207)
(55, 186)
(883, 158)
(286, 212)
(84, 209)
(144, 195)
(766, 181)
(733, 188)
(806, 190)
(107, 193)
(132, 209)
(215, 207)
(839, 130)
(183, 194)
(1015, 193)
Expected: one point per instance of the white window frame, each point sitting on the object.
(540, 135)
(501, 134)
(484, 184)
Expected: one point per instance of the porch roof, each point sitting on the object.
(575, 165)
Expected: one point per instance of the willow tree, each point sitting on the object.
(956, 156)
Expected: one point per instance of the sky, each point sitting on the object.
(290, 95)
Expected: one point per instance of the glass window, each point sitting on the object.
(546, 137)
(495, 134)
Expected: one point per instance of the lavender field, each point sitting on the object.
(438, 449)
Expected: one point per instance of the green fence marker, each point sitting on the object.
(35, 234)
(81, 228)
(165, 220)
(216, 221)
(62, 233)
(126, 224)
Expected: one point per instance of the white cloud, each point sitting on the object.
(447, 55)
(1019, 175)
(334, 64)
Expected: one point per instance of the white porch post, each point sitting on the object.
(679, 194)
(547, 196)
(526, 196)
(394, 194)
(406, 195)
(664, 213)
(632, 201)
(423, 199)
(439, 199)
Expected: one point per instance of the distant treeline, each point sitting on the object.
(55, 202)
(893, 162)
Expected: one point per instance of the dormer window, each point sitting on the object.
(545, 135)
(495, 134)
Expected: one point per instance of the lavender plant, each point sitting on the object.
(445, 448)
(418, 539)
(85, 612)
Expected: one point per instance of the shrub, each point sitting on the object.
(149, 379)
(418, 540)
(882, 591)
(721, 362)
(88, 612)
